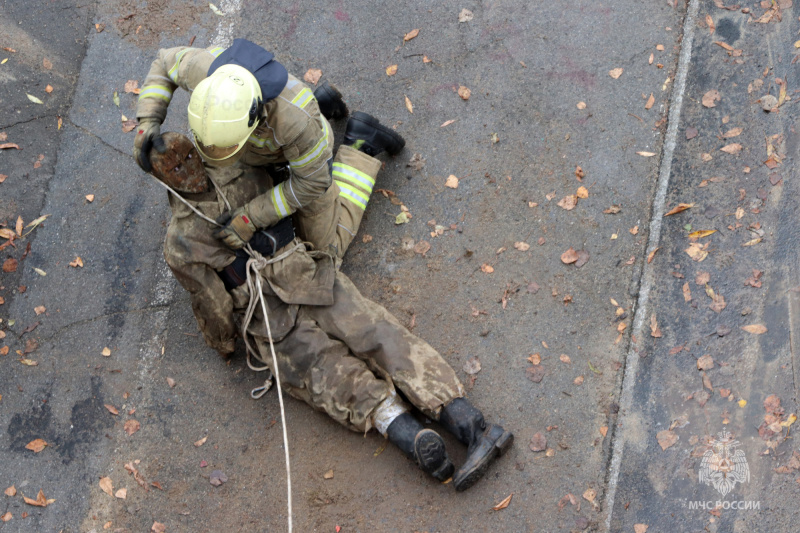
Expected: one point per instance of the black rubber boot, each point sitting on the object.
(424, 446)
(485, 442)
(330, 101)
(365, 132)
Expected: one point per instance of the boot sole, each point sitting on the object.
(432, 455)
(400, 142)
(465, 480)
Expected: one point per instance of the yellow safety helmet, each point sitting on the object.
(223, 111)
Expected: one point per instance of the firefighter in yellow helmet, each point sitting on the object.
(245, 107)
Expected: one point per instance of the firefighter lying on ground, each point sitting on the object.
(337, 351)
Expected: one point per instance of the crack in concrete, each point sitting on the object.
(6, 126)
(86, 321)
(92, 134)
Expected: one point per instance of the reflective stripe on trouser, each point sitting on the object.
(346, 358)
(333, 219)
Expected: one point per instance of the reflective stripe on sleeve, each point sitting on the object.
(156, 91)
(354, 195)
(353, 176)
(303, 98)
(315, 153)
(261, 142)
(216, 51)
(279, 201)
(173, 72)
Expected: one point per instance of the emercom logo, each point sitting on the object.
(723, 466)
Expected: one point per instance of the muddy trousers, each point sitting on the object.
(345, 359)
(332, 220)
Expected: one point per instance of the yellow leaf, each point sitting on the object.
(28, 362)
(503, 504)
(391, 70)
(216, 10)
(789, 421)
(742, 403)
(34, 99)
(410, 35)
(328, 474)
(409, 105)
(752, 242)
(699, 234)
(583, 192)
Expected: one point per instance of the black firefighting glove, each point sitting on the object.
(238, 228)
(148, 135)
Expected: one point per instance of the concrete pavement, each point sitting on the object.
(474, 293)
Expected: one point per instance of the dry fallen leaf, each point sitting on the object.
(666, 438)
(39, 310)
(465, 15)
(472, 366)
(328, 474)
(158, 527)
(11, 491)
(706, 362)
(409, 105)
(46, 63)
(6, 516)
(78, 262)
(568, 202)
(570, 256)
(132, 426)
(464, 93)
(391, 70)
(589, 495)
(522, 246)
(121, 494)
(655, 330)
(106, 352)
(410, 35)
(200, 442)
(452, 182)
(710, 23)
(564, 358)
(697, 251)
(582, 193)
(36, 445)
(734, 132)
(687, 292)
(640, 528)
(756, 329)
(111, 409)
(40, 500)
(90, 198)
(488, 269)
(538, 443)
(710, 98)
(503, 504)
(312, 75)
(650, 101)
(732, 149)
(678, 209)
(615, 73)
(646, 154)
(170, 382)
(699, 234)
(107, 486)
(132, 86)
(446, 123)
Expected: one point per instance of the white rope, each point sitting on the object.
(255, 264)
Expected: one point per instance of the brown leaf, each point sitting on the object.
(535, 358)
(46, 63)
(20, 224)
(40, 500)
(200, 442)
(129, 125)
(710, 23)
(535, 373)
(171, 382)
(652, 254)
(583, 258)
(687, 292)
(655, 331)
(705, 362)
(503, 504)
(710, 98)
(107, 486)
(76, 263)
(570, 256)
(121, 494)
(568, 202)
(158, 527)
(131, 86)
(734, 132)
(409, 105)
(522, 246)
(10, 265)
(666, 438)
(39, 310)
(756, 329)
(732, 149)
(312, 75)
(106, 352)
(465, 15)
(581, 105)
(452, 182)
(410, 35)
(111, 409)
(699, 234)
(613, 210)
(582, 193)
(640, 528)
(422, 248)
(538, 443)
(691, 133)
(446, 123)
(486, 268)
(132, 426)
(650, 101)
(678, 209)
(464, 93)
(36, 445)
(6, 516)
(603, 430)
(29, 362)
(578, 380)
(11, 491)
(391, 70)
(328, 474)
(6, 146)
(615, 73)
(589, 495)
(697, 251)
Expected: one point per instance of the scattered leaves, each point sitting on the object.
(655, 330)
(522, 246)
(615, 73)
(678, 209)
(409, 105)
(10, 491)
(732, 149)
(76, 263)
(107, 486)
(650, 102)
(391, 70)
(570, 256)
(711, 98)
(568, 202)
(132, 426)
(666, 438)
(121, 494)
(410, 35)
(111, 409)
(486, 268)
(40, 500)
(503, 504)
(132, 86)
(756, 329)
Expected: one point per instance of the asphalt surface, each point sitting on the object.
(542, 103)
